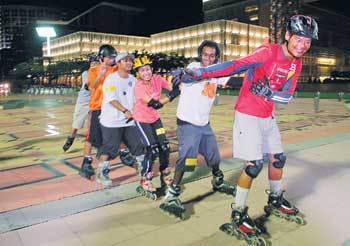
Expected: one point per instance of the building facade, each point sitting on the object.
(79, 45)
(234, 38)
(256, 12)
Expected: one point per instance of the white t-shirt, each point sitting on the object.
(83, 94)
(196, 99)
(122, 90)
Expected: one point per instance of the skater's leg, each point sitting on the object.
(276, 164)
(164, 153)
(245, 181)
(276, 199)
(109, 149)
(102, 175)
(172, 203)
(86, 169)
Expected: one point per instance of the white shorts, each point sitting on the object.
(254, 136)
(80, 113)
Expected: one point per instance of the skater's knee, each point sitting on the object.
(164, 147)
(279, 160)
(253, 168)
(152, 151)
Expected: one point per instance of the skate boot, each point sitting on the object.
(146, 187)
(243, 227)
(86, 170)
(165, 178)
(172, 203)
(220, 185)
(68, 143)
(102, 175)
(280, 207)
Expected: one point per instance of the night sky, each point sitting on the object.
(335, 5)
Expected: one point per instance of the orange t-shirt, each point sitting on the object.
(96, 93)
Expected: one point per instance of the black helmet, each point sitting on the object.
(303, 25)
(211, 44)
(107, 50)
(94, 58)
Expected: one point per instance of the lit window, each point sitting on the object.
(253, 18)
(251, 8)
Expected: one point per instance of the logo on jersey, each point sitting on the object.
(209, 90)
(110, 88)
(292, 69)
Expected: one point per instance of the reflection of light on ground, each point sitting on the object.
(51, 115)
(51, 131)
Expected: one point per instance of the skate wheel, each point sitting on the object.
(182, 216)
(227, 228)
(299, 220)
(152, 196)
(261, 242)
(139, 190)
(237, 234)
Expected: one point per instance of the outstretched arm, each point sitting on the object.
(228, 68)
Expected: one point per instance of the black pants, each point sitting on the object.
(153, 137)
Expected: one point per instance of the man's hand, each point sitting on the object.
(154, 104)
(262, 89)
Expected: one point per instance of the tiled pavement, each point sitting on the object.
(32, 192)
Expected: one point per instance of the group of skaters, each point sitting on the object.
(128, 112)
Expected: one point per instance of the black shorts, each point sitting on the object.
(95, 134)
(113, 136)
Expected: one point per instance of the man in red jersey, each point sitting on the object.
(271, 77)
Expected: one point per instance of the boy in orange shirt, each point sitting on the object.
(96, 76)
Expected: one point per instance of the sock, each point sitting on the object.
(241, 197)
(275, 186)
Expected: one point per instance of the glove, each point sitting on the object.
(154, 104)
(185, 75)
(177, 76)
(262, 89)
(174, 93)
(191, 75)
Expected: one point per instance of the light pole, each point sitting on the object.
(47, 32)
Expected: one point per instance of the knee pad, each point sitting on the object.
(152, 151)
(253, 171)
(164, 146)
(281, 160)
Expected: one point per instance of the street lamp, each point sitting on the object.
(46, 32)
